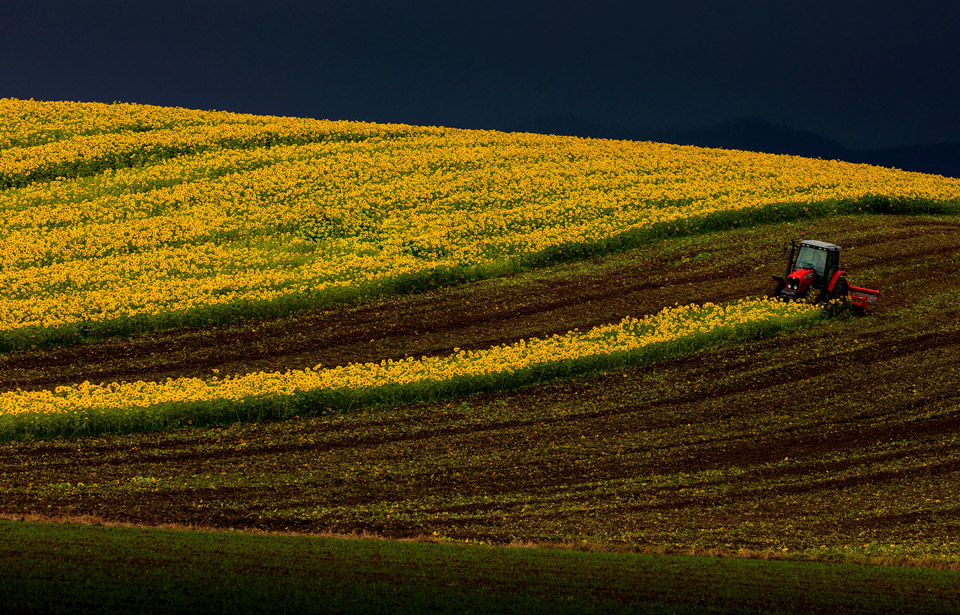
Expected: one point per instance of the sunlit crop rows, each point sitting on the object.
(66, 150)
(29, 123)
(214, 211)
(673, 330)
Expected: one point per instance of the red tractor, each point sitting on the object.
(815, 266)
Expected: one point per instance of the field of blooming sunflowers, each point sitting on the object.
(121, 219)
(280, 324)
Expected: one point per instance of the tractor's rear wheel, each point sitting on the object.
(841, 289)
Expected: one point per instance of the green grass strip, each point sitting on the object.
(61, 568)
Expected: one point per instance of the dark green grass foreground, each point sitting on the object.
(60, 568)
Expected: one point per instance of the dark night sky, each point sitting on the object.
(867, 73)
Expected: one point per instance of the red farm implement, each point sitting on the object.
(814, 273)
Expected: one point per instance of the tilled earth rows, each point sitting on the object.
(844, 436)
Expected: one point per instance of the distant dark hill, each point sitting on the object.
(941, 159)
(759, 135)
(756, 135)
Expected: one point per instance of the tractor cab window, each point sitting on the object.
(812, 258)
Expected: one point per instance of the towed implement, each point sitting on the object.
(814, 273)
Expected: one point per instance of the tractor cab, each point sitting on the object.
(812, 264)
(821, 257)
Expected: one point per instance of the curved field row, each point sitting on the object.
(139, 406)
(28, 123)
(57, 150)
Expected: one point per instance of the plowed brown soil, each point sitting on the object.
(843, 436)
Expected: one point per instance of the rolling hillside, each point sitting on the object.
(148, 247)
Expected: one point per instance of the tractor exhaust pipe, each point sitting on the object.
(790, 251)
(793, 248)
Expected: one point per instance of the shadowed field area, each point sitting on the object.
(839, 441)
(108, 568)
